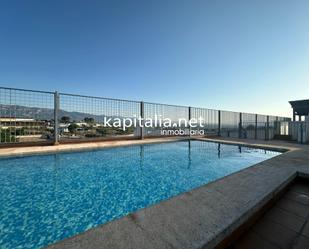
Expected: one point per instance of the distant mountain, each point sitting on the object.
(19, 111)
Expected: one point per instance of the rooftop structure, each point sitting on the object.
(300, 108)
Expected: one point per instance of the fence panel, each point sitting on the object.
(294, 129)
(82, 117)
(261, 127)
(155, 111)
(248, 125)
(26, 116)
(230, 124)
(210, 120)
(273, 127)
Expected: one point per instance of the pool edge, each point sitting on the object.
(209, 241)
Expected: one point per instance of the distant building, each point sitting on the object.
(18, 123)
(63, 128)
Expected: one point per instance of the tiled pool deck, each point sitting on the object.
(201, 218)
(285, 225)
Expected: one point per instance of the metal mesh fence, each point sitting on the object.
(82, 117)
(230, 124)
(273, 126)
(256, 126)
(261, 126)
(209, 120)
(26, 116)
(248, 125)
(154, 111)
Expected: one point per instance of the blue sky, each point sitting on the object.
(250, 56)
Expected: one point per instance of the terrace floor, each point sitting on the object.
(285, 225)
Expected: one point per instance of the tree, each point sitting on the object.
(102, 131)
(72, 128)
(65, 119)
(89, 120)
(6, 136)
(20, 131)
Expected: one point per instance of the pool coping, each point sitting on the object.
(90, 146)
(78, 147)
(205, 216)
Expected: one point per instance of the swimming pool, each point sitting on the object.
(47, 198)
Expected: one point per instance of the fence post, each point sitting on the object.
(189, 109)
(301, 133)
(56, 118)
(255, 126)
(219, 123)
(240, 125)
(276, 126)
(267, 128)
(142, 122)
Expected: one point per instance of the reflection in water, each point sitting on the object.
(144, 152)
(56, 165)
(189, 154)
(56, 179)
(141, 157)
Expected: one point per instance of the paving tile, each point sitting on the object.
(253, 241)
(293, 207)
(301, 198)
(285, 218)
(275, 233)
(281, 226)
(301, 243)
(301, 187)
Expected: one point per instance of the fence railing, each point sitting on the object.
(28, 116)
(82, 117)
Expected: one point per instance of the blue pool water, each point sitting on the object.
(51, 197)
